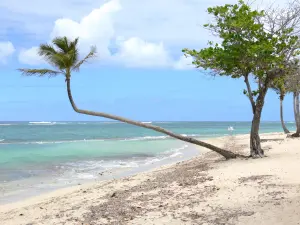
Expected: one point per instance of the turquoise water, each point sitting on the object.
(70, 150)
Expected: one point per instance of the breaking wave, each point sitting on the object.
(92, 169)
(145, 138)
(42, 123)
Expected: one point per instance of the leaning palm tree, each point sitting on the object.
(63, 55)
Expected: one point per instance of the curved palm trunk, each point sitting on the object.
(286, 131)
(297, 113)
(226, 154)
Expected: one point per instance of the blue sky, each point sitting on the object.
(139, 72)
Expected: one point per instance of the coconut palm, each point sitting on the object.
(280, 90)
(63, 55)
(293, 86)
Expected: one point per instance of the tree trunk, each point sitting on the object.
(297, 114)
(226, 154)
(257, 106)
(255, 146)
(286, 131)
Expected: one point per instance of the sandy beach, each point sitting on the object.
(203, 190)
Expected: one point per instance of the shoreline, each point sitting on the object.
(12, 196)
(204, 189)
(189, 153)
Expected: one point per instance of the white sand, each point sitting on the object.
(204, 190)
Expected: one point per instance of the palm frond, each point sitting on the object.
(39, 72)
(91, 54)
(51, 55)
(62, 43)
(63, 54)
(73, 44)
(46, 50)
(74, 51)
(275, 87)
(71, 58)
(66, 55)
(59, 61)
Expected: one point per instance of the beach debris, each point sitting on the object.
(113, 195)
(210, 178)
(21, 214)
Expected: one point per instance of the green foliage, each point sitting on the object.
(292, 80)
(63, 55)
(39, 72)
(246, 47)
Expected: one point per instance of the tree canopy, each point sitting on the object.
(246, 46)
(63, 55)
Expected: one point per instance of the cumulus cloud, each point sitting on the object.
(136, 52)
(30, 56)
(184, 63)
(6, 50)
(175, 22)
(164, 26)
(98, 28)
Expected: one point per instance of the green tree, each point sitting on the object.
(63, 55)
(246, 50)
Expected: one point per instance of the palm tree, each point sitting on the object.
(293, 86)
(280, 90)
(296, 112)
(63, 55)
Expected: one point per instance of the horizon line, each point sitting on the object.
(153, 121)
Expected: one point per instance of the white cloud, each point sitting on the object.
(98, 28)
(136, 52)
(30, 56)
(184, 63)
(150, 30)
(175, 22)
(6, 50)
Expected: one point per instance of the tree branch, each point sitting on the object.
(250, 96)
(91, 54)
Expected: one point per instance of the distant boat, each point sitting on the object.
(230, 129)
(146, 122)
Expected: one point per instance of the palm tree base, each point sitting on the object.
(295, 135)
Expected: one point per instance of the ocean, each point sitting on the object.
(42, 155)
